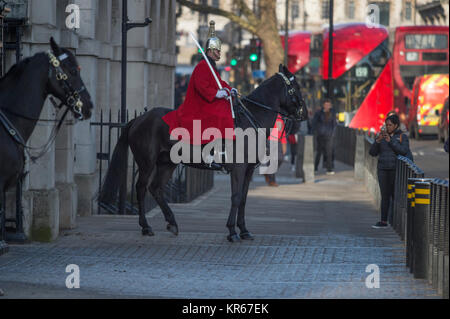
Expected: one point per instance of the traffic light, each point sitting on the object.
(254, 54)
(233, 62)
(201, 45)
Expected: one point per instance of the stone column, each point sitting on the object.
(359, 157)
(41, 198)
(308, 159)
(45, 209)
(85, 148)
(68, 191)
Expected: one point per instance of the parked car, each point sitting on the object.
(429, 93)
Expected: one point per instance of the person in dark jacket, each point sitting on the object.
(324, 125)
(389, 143)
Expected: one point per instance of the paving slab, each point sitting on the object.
(312, 240)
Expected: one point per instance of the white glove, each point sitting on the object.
(234, 92)
(221, 94)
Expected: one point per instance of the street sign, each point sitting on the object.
(259, 74)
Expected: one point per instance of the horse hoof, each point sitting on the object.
(234, 238)
(247, 236)
(147, 232)
(173, 229)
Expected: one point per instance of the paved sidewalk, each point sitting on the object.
(312, 241)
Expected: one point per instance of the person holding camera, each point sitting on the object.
(389, 143)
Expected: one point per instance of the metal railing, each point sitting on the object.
(346, 137)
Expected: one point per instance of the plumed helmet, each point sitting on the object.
(213, 41)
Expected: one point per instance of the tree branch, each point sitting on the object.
(247, 25)
(247, 12)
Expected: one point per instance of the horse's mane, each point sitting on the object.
(262, 86)
(15, 71)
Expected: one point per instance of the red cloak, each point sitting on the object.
(201, 104)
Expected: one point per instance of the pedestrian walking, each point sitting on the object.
(293, 144)
(389, 143)
(324, 125)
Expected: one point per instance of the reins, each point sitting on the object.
(17, 137)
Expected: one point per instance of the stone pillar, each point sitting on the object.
(137, 73)
(85, 148)
(359, 157)
(68, 192)
(40, 197)
(308, 159)
(45, 209)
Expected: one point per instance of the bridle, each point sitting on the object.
(292, 93)
(287, 118)
(72, 101)
(72, 96)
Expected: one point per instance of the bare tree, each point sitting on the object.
(264, 26)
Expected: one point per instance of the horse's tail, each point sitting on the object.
(117, 169)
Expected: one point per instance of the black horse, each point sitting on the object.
(23, 91)
(149, 139)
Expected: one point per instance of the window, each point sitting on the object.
(325, 9)
(351, 9)
(215, 3)
(295, 13)
(408, 10)
(384, 12)
(426, 41)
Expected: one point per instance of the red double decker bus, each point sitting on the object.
(362, 85)
(418, 50)
(368, 81)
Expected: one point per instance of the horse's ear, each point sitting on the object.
(286, 71)
(55, 47)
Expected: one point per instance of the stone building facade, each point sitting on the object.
(63, 184)
(306, 15)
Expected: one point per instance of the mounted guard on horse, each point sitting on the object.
(205, 102)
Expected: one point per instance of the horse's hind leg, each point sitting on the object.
(141, 187)
(163, 174)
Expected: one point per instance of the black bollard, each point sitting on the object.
(409, 225)
(420, 228)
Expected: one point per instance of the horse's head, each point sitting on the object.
(65, 82)
(293, 101)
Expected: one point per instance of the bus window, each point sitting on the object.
(426, 41)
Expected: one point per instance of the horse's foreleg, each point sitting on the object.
(237, 186)
(163, 175)
(245, 234)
